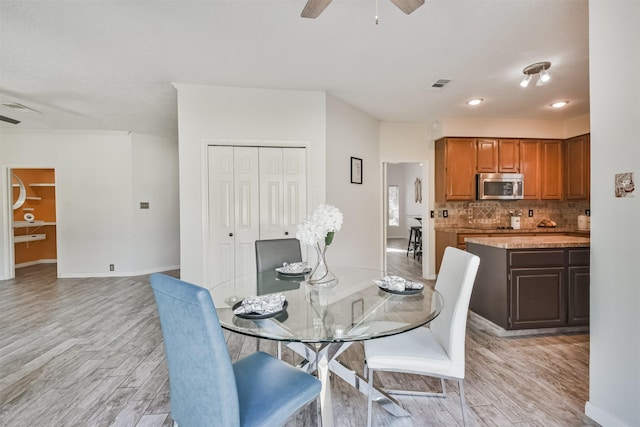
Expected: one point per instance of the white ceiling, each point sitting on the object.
(109, 65)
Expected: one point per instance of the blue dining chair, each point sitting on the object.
(206, 388)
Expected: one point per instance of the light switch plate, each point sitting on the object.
(144, 205)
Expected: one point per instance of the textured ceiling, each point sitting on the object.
(96, 64)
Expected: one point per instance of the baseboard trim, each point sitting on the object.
(480, 323)
(40, 261)
(118, 273)
(602, 417)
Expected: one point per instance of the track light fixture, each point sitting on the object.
(539, 68)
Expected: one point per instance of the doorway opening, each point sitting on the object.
(404, 214)
(33, 200)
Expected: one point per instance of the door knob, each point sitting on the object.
(286, 233)
(230, 234)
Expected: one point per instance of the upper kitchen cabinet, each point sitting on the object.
(500, 155)
(530, 168)
(455, 166)
(509, 155)
(551, 170)
(486, 156)
(577, 167)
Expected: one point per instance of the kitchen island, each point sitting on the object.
(532, 283)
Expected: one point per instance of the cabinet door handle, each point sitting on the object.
(230, 234)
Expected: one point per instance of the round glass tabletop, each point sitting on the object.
(355, 309)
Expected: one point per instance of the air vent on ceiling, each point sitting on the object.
(20, 107)
(441, 83)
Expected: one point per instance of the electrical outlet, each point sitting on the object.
(445, 213)
(587, 212)
(530, 213)
(144, 205)
(112, 267)
(432, 214)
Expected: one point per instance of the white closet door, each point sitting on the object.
(295, 189)
(221, 215)
(271, 194)
(247, 209)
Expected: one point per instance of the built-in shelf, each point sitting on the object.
(28, 209)
(29, 238)
(34, 198)
(31, 224)
(42, 184)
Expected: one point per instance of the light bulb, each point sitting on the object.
(526, 80)
(559, 104)
(475, 101)
(540, 81)
(544, 75)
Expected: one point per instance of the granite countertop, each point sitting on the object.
(494, 230)
(531, 242)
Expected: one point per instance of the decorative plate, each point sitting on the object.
(405, 292)
(280, 270)
(258, 315)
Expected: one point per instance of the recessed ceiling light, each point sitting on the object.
(475, 101)
(559, 104)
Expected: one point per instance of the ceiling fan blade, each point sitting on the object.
(9, 120)
(313, 8)
(408, 6)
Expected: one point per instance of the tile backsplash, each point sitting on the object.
(491, 214)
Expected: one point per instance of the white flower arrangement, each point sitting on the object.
(321, 225)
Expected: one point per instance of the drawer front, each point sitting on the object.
(579, 256)
(545, 258)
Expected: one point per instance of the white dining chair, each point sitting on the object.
(437, 350)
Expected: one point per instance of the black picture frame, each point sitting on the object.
(356, 170)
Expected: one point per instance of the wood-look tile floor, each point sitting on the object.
(89, 352)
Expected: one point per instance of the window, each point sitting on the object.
(394, 205)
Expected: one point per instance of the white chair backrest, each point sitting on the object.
(455, 282)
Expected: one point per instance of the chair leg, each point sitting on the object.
(462, 405)
(370, 399)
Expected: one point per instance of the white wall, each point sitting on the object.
(614, 370)
(351, 133)
(410, 143)
(404, 175)
(94, 193)
(209, 114)
(156, 231)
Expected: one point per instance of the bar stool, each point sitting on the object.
(415, 240)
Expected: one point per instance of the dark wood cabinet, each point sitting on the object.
(455, 165)
(532, 288)
(577, 167)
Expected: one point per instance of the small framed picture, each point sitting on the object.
(356, 170)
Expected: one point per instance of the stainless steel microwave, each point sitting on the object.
(500, 186)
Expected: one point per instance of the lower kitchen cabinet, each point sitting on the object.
(531, 288)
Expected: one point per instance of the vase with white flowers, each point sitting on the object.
(318, 231)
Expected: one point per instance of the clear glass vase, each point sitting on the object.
(321, 275)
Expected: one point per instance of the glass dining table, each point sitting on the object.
(320, 323)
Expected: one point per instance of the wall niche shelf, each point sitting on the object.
(41, 184)
(29, 238)
(34, 198)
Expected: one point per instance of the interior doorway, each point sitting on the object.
(404, 214)
(33, 202)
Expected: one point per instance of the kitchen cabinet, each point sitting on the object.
(551, 170)
(509, 155)
(578, 286)
(577, 167)
(530, 168)
(501, 155)
(455, 165)
(531, 288)
(486, 156)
